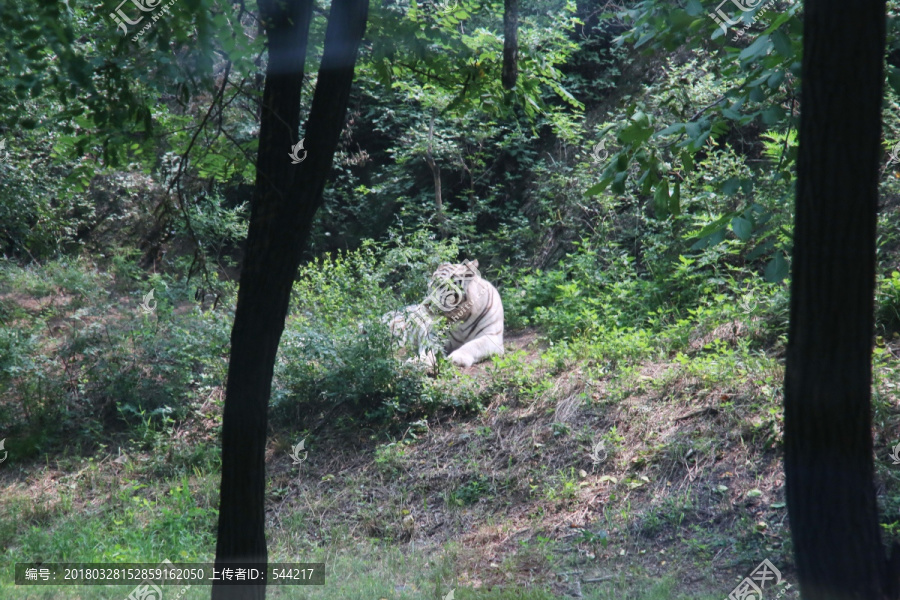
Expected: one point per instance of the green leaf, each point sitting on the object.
(644, 39)
(647, 181)
(756, 49)
(693, 130)
(782, 44)
(742, 228)
(775, 80)
(567, 96)
(598, 187)
(693, 8)
(763, 248)
(772, 115)
(730, 186)
(618, 184)
(635, 133)
(698, 24)
(764, 77)
(674, 128)
(717, 225)
(675, 200)
(779, 21)
(777, 269)
(687, 160)
(715, 238)
(661, 200)
(641, 118)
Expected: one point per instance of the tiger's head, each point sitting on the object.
(448, 288)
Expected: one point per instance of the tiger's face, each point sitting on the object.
(447, 289)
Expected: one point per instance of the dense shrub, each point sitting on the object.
(77, 354)
(335, 348)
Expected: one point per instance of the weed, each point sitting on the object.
(470, 492)
(390, 459)
(887, 299)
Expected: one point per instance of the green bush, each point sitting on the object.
(597, 288)
(336, 350)
(40, 216)
(887, 298)
(148, 366)
(346, 366)
(32, 390)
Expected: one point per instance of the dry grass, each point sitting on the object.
(676, 441)
(689, 486)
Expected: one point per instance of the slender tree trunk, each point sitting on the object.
(436, 174)
(510, 43)
(827, 414)
(284, 203)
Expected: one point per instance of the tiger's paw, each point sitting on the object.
(461, 359)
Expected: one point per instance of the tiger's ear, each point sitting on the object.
(474, 263)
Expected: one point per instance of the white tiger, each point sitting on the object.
(474, 309)
(412, 327)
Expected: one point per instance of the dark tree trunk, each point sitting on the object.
(285, 200)
(510, 43)
(827, 414)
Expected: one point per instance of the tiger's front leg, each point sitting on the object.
(477, 350)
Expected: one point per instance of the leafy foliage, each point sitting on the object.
(336, 350)
(757, 91)
(137, 369)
